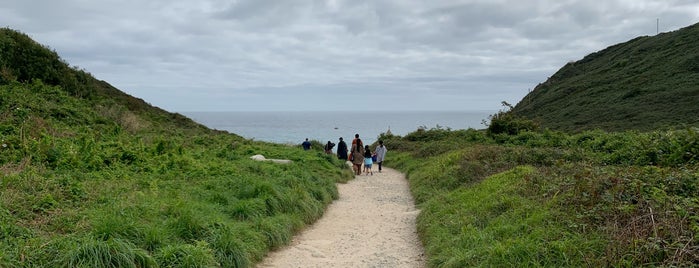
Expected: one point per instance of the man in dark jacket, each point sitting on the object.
(342, 149)
(306, 145)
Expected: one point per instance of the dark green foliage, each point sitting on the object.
(643, 84)
(506, 122)
(25, 61)
(92, 177)
(553, 199)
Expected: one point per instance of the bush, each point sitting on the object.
(507, 122)
(591, 199)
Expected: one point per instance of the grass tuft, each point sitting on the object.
(112, 252)
(186, 255)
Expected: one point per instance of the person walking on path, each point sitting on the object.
(380, 152)
(354, 141)
(357, 157)
(368, 161)
(306, 145)
(342, 149)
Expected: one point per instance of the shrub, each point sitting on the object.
(507, 122)
(424, 134)
(595, 198)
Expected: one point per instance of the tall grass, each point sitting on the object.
(550, 199)
(186, 255)
(112, 252)
(92, 177)
(113, 195)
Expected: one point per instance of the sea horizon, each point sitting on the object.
(292, 127)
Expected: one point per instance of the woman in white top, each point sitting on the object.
(380, 152)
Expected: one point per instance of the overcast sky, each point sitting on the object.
(278, 55)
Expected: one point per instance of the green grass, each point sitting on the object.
(491, 225)
(550, 199)
(643, 84)
(90, 190)
(107, 253)
(92, 177)
(187, 255)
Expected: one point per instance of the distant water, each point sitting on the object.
(294, 127)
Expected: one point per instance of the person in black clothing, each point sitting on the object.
(306, 145)
(329, 147)
(342, 149)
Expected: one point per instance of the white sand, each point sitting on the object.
(372, 224)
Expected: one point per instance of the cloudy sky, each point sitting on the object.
(279, 55)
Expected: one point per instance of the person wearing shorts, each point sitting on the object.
(368, 161)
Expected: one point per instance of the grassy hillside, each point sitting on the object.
(643, 84)
(551, 199)
(91, 177)
(24, 60)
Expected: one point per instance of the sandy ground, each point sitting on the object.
(372, 224)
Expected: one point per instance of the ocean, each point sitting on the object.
(294, 127)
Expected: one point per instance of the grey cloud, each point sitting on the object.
(274, 54)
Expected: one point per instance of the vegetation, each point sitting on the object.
(23, 60)
(91, 177)
(644, 84)
(506, 122)
(552, 199)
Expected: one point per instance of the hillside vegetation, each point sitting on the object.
(23, 60)
(549, 185)
(92, 177)
(551, 199)
(644, 84)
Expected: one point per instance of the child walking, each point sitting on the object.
(368, 161)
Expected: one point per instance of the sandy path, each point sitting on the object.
(372, 224)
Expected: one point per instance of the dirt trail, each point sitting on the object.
(372, 224)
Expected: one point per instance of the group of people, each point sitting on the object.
(359, 154)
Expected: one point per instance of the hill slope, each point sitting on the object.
(24, 60)
(645, 83)
(92, 177)
(553, 199)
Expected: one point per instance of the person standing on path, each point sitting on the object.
(380, 152)
(354, 142)
(357, 155)
(342, 150)
(368, 161)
